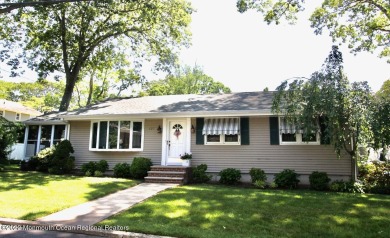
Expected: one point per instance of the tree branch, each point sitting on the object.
(8, 7)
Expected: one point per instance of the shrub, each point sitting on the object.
(88, 173)
(376, 177)
(89, 167)
(122, 170)
(98, 173)
(94, 166)
(257, 175)
(62, 161)
(273, 185)
(260, 184)
(102, 166)
(319, 180)
(44, 158)
(230, 176)
(8, 136)
(139, 167)
(346, 187)
(29, 165)
(199, 174)
(287, 179)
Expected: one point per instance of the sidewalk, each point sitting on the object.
(92, 212)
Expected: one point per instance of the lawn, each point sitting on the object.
(220, 211)
(30, 195)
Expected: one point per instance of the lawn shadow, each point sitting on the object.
(34, 215)
(236, 212)
(104, 188)
(15, 179)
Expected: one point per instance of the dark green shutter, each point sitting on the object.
(199, 129)
(244, 125)
(324, 136)
(274, 130)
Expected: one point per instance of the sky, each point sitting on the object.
(246, 54)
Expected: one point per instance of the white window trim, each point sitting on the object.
(299, 141)
(222, 136)
(18, 118)
(222, 141)
(108, 131)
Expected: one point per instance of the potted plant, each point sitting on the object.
(186, 158)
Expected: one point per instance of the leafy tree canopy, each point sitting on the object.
(363, 25)
(186, 80)
(344, 107)
(9, 134)
(9, 5)
(43, 95)
(380, 122)
(66, 37)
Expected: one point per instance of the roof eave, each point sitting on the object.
(45, 122)
(169, 114)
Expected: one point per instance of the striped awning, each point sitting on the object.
(221, 126)
(288, 127)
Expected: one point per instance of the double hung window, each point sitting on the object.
(292, 133)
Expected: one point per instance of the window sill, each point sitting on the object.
(116, 150)
(300, 143)
(222, 143)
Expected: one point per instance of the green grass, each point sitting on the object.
(30, 195)
(220, 211)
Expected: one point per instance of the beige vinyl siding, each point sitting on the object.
(304, 159)
(24, 117)
(79, 137)
(11, 116)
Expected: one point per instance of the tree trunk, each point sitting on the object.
(67, 96)
(90, 92)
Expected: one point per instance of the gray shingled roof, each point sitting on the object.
(233, 103)
(17, 107)
(47, 118)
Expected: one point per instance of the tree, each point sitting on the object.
(380, 122)
(66, 37)
(42, 95)
(114, 77)
(343, 108)
(8, 136)
(364, 24)
(186, 80)
(9, 6)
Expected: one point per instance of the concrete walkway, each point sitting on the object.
(97, 210)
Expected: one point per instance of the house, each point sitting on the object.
(16, 112)
(13, 111)
(236, 130)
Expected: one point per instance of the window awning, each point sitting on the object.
(221, 126)
(288, 127)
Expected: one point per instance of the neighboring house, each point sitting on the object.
(235, 130)
(13, 111)
(16, 112)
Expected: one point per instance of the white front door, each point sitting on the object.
(176, 141)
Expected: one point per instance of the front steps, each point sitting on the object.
(168, 174)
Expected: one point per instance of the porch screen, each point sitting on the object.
(221, 126)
